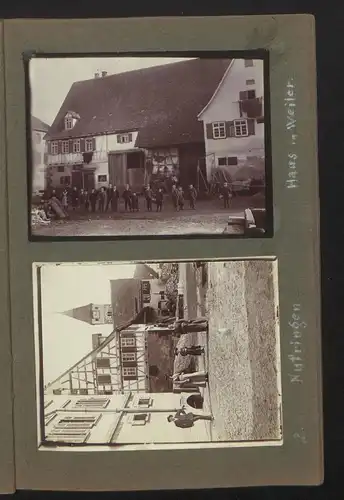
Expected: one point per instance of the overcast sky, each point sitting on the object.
(66, 340)
(51, 79)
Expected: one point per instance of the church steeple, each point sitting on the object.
(93, 314)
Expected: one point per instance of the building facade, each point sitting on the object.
(39, 154)
(123, 419)
(233, 119)
(135, 128)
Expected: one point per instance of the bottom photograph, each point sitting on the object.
(166, 353)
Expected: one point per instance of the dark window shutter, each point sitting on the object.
(209, 131)
(59, 147)
(128, 349)
(82, 145)
(251, 126)
(243, 95)
(71, 145)
(230, 129)
(93, 143)
(129, 377)
(118, 138)
(128, 335)
(129, 364)
(130, 137)
(49, 147)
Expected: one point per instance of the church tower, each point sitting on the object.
(93, 314)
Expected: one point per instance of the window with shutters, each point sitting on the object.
(124, 138)
(128, 356)
(54, 148)
(65, 147)
(88, 145)
(129, 371)
(249, 63)
(219, 130)
(72, 429)
(240, 128)
(76, 146)
(128, 341)
(92, 403)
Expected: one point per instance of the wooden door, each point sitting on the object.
(89, 182)
(118, 170)
(77, 180)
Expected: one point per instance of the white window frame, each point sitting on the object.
(219, 130)
(124, 138)
(242, 125)
(55, 148)
(76, 146)
(250, 81)
(68, 123)
(64, 143)
(141, 421)
(129, 371)
(128, 356)
(128, 342)
(88, 145)
(146, 404)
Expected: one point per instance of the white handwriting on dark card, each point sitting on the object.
(295, 357)
(292, 180)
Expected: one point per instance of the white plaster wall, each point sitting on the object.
(225, 107)
(39, 168)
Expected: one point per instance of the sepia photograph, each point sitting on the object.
(148, 146)
(158, 353)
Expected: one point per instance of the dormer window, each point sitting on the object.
(68, 123)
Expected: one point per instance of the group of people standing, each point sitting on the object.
(108, 198)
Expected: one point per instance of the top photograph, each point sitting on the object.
(127, 147)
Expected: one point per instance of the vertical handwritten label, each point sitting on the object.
(297, 326)
(292, 180)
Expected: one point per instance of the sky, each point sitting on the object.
(51, 79)
(65, 286)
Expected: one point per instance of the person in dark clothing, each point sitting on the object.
(127, 195)
(174, 195)
(102, 200)
(185, 420)
(109, 194)
(148, 196)
(114, 199)
(86, 201)
(194, 350)
(192, 196)
(227, 195)
(93, 200)
(75, 198)
(135, 202)
(180, 198)
(159, 198)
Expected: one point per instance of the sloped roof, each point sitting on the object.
(123, 295)
(37, 124)
(162, 102)
(144, 271)
(82, 313)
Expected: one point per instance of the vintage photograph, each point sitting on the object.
(148, 146)
(158, 353)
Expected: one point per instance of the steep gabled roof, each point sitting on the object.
(38, 125)
(82, 313)
(145, 272)
(162, 102)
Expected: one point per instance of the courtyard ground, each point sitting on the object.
(242, 356)
(208, 218)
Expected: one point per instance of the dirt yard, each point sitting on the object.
(242, 351)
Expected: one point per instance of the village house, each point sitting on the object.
(121, 419)
(39, 154)
(233, 120)
(134, 357)
(136, 127)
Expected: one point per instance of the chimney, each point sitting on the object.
(96, 75)
(104, 73)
